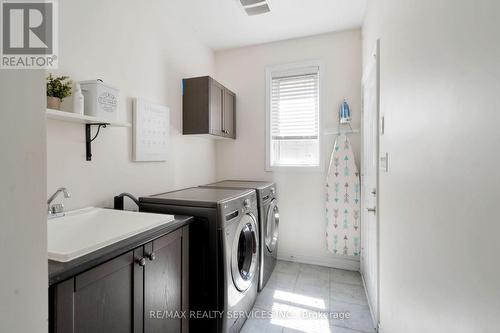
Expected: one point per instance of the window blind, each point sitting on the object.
(295, 106)
(294, 118)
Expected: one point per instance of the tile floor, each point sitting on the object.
(311, 299)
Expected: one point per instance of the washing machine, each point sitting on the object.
(224, 253)
(269, 218)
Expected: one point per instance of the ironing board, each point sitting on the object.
(343, 201)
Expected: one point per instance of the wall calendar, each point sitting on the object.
(151, 128)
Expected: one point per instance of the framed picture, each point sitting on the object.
(151, 127)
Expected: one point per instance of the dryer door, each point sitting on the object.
(245, 252)
(272, 224)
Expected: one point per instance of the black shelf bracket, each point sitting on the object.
(88, 135)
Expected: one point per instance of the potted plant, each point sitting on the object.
(58, 88)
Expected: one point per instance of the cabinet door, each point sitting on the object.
(216, 102)
(229, 108)
(103, 299)
(196, 105)
(163, 284)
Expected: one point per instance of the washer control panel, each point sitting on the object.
(235, 209)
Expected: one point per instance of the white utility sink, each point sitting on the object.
(85, 230)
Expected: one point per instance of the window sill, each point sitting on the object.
(280, 169)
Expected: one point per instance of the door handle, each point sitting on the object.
(372, 210)
(374, 191)
(151, 256)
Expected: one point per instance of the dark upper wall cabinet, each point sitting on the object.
(208, 108)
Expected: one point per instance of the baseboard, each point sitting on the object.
(326, 260)
(372, 313)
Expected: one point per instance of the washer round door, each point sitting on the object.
(272, 224)
(245, 252)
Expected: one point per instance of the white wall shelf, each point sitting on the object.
(88, 121)
(82, 119)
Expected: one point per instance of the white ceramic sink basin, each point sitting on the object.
(85, 230)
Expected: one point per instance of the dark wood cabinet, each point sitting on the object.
(163, 284)
(136, 292)
(101, 299)
(215, 109)
(208, 108)
(228, 114)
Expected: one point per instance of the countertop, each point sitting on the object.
(60, 271)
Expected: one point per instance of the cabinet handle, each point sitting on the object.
(152, 256)
(142, 262)
(222, 110)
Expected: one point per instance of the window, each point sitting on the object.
(293, 117)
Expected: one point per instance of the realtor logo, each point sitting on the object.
(29, 34)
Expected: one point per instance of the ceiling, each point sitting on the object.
(222, 24)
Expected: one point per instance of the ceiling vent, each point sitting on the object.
(255, 7)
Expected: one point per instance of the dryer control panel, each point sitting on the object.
(267, 194)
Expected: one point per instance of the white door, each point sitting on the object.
(369, 179)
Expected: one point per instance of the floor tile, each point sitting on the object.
(321, 272)
(287, 267)
(265, 299)
(300, 319)
(348, 293)
(313, 276)
(261, 325)
(309, 298)
(338, 329)
(332, 329)
(343, 276)
(282, 280)
(309, 279)
(359, 316)
(313, 290)
(303, 298)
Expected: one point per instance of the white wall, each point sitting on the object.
(302, 194)
(23, 234)
(440, 84)
(141, 49)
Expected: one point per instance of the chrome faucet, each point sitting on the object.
(55, 210)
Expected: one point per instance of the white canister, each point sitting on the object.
(100, 99)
